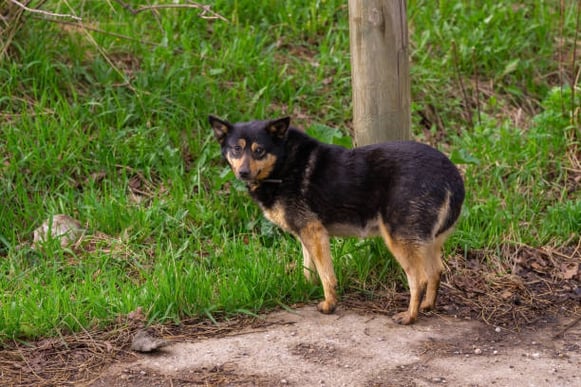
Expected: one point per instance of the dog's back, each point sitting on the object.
(406, 183)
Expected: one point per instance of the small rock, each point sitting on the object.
(60, 226)
(145, 341)
(536, 355)
(497, 329)
(477, 351)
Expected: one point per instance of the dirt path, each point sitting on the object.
(306, 348)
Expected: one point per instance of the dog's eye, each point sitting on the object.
(259, 151)
(236, 150)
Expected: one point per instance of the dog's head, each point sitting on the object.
(251, 148)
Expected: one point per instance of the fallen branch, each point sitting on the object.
(204, 8)
(567, 327)
(45, 13)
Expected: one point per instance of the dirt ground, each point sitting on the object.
(305, 348)
(506, 320)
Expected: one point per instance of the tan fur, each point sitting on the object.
(277, 215)
(442, 214)
(315, 240)
(308, 264)
(420, 260)
(262, 168)
(409, 257)
(422, 264)
(259, 169)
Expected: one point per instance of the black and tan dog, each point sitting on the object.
(408, 193)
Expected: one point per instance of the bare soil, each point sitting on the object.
(305, 348)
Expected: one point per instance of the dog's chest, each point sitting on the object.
(277, 215)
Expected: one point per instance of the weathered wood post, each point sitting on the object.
(380, 70)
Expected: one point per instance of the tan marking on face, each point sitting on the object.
(261, 169)
(254, 146)
(236, 163)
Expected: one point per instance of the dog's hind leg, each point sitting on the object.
(410, 256)
(434, 268)
(315, 240)
(433, 255)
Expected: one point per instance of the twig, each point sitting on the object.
(477, 86)
(573, 66)
(567, 327)
(462, 88)
(561, 49)
(205, 9)
(45, 13)
(94, 29)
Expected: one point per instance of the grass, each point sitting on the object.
(113, 132)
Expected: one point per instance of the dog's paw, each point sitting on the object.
(404, 318)
(427, 306)
(326, 307)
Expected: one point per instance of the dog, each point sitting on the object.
(407, 192)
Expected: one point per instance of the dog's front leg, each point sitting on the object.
(315, 240)
(308, 264)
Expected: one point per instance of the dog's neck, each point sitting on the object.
(253, 186)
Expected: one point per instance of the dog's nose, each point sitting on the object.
(244, 174)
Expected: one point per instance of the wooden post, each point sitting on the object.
(380, 70)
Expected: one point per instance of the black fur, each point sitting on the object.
(348, 186)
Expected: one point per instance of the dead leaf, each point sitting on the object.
(569, 270)
(136, 315)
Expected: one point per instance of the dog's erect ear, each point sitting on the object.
(220, 127)
(278, 127)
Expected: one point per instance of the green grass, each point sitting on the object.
(113, 132)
